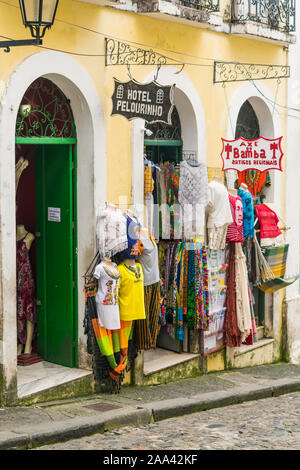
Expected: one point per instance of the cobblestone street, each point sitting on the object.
(272, 423)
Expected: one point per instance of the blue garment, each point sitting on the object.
(133, 228)
(248, 213)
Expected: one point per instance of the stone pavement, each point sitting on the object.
(45, 423)
(267, 424)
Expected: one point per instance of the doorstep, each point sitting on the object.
(44, 375)
(261, 352)
(159, 359)
(259, 344)
(162, 366)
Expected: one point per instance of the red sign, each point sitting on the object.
(260, 154)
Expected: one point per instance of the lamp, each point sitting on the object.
(38, 15)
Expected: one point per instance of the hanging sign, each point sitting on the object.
(260, 154)
(151, 101)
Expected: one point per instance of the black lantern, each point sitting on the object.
(38, 15)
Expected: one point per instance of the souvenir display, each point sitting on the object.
(195, 276)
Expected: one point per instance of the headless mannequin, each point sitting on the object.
(218, 179)
(244, 187)
(111, 266)
(21, 233)
(130, 262)
(144, 232)
(233, 192)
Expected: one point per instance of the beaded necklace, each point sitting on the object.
(136, 271)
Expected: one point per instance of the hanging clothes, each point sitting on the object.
(235, 230)
(133, 228)
(219, 215)
(268, 222)
(149, 260)
(185, 285)
(113, 344)
(174, 208)
(111, 232)
(193, 197)
(248, 213)
(255, 180)
(148, 180)
(131, 292)
(148, 329)
(232, 332)
(243, 312)
(107, 297)
(26, 307)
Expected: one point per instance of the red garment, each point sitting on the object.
(254, 179)
(26, 308)
(235, 230)
(268, 221)
(232, 332)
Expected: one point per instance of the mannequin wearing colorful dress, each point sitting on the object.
(26, 309)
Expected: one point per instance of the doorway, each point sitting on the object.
(165, 146)
(46, 208)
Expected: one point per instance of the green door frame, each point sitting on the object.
(72, 141)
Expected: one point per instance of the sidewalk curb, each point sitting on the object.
(145, 413)
(75, 428)
(206, 401)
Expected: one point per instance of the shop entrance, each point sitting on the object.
(46, 209)
(248, 127)
(165, 145)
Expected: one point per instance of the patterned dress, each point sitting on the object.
(26, 308)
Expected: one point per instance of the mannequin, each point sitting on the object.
(110, 265)
(244, 187)
(218, 179)
(233, 192)
(21, 234)
(21, 165)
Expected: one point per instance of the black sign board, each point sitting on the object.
(149, 101)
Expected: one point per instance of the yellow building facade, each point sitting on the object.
(110, 149)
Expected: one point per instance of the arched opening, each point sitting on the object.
(165, 142)
(46, 220)
(248, 126)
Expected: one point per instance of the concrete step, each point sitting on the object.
(259, 353)
(163, 366)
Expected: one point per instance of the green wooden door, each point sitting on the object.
(55, 253)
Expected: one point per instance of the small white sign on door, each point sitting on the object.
(54, 214)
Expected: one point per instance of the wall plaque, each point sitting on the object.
(149, 101)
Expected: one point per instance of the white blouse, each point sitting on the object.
(218, 208)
